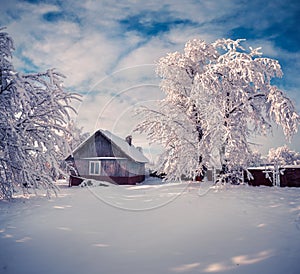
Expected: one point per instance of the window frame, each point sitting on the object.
(94, 163)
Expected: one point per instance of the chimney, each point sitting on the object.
(128, 139)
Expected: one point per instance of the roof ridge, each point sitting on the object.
(131, 151)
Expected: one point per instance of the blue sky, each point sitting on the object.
(107, 48)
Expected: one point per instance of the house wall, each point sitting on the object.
(125, 168)
(135, 168)
(87, 150)
(104, 147)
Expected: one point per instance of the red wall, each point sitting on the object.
(75, 181)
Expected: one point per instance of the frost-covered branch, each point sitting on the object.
(34, 113)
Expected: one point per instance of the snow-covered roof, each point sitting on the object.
(130, 150)
(272, 167)
(291, 166)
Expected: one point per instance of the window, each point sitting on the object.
(95, 168)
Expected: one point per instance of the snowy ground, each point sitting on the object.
(176, 228)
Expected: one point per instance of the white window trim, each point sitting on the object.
(94, 162)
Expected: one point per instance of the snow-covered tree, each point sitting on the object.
(217, 95)
(256, 159)
(34, 112)
(283, 156)
(76, 136)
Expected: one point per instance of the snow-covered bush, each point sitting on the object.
(283, 156)
(93, 183)
(34, 112)
(217, 95)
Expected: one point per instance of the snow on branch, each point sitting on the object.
(283, 112)
(217, 95)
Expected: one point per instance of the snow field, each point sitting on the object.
(153, 228)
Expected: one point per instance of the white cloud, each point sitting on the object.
(101, 57)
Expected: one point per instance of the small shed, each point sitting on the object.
(289, 176)
(107, 157)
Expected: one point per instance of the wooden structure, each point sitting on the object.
(288, 176)
(106, 157)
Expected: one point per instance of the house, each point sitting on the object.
(107, 157)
